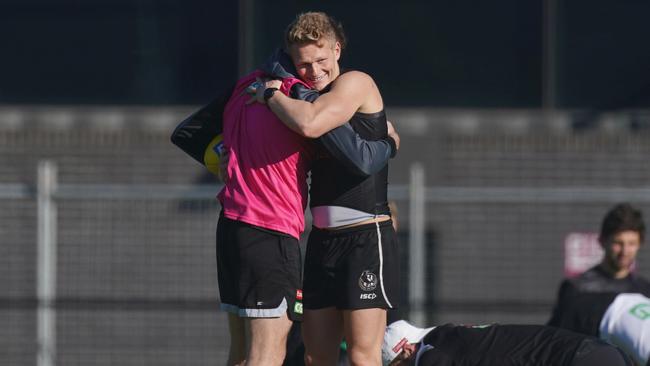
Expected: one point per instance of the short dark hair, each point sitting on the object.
(622, 217)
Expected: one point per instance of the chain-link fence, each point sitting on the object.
(485, 201)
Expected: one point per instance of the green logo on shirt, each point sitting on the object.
(641, 311)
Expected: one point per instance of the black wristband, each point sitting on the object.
(393, 146)
(268, 93)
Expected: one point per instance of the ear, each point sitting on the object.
(337, 50)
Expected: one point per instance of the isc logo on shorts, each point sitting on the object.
(370, 296)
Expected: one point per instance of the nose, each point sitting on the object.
(630, 249)
(314, 69)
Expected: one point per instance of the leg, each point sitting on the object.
(602, 354)
(295, 347)
(374, 287)
(237, 351)
(268, 340)
(227, 268)
(322, 331)
(364, 332)
(262, 287)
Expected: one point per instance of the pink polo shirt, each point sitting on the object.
(268, 164)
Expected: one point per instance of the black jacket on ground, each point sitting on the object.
(508, 345)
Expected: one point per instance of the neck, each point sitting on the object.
(616, 273)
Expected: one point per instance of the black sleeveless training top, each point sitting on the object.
(333, 185)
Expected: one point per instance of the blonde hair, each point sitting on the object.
(313, 27)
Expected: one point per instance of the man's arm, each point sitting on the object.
(194, 134)
(434, 357)
(360, 156)
(332, 109)
(644, 286)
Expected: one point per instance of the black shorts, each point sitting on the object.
(353, 268)
(259, 271)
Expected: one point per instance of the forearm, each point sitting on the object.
(311, 120)
(332, 109)
(298, 115)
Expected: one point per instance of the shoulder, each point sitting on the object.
(589, 276)
(644, 285)
(568, 287)
(573, 286)
(593, 272)
(640, 279)
(355, 74)
(354, 78)
(359, 86)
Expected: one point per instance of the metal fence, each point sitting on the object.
(122, 275)
(107, 255)
(120, 264)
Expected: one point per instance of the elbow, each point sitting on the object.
(311, 127)
(310, 131)
(364, 172)
(312, 134)
(369, 170)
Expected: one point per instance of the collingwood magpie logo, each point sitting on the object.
(368, 281)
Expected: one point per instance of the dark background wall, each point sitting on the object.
(436, 53)
(116, 51)
(603, 54)
(136, 278)
(461, 53)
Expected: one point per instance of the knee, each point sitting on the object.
(364, 357)
(267, 351)
(266, 358)
(322, 352)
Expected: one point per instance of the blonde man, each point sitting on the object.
(351, 265)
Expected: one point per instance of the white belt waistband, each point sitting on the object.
(334, 216)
